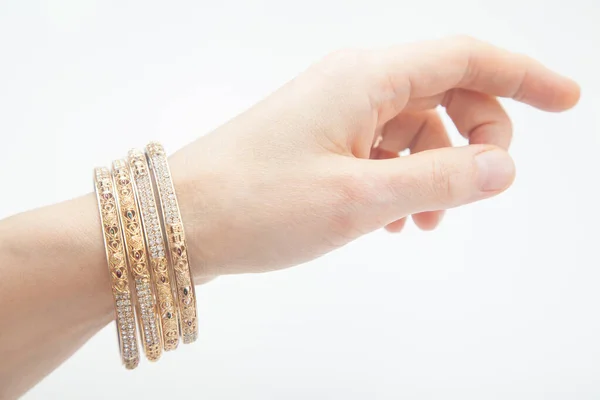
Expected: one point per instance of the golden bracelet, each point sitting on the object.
(154, 239)
(117, 267)
(135, 248)
(186, 295)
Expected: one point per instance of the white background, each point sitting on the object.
(502, 301)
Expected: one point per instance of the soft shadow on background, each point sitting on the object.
(500, 302)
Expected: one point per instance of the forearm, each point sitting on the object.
(54, 289)
(55, 292)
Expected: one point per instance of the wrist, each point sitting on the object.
(198, 184)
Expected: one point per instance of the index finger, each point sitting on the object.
(431, 68)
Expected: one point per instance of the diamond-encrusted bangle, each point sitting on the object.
(117, 267)
(135, 249)
(177, 248)
(154, 239)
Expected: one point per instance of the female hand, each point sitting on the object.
(315, 165)
(309, 169)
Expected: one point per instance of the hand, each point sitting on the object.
(307, 170)
(315, 165)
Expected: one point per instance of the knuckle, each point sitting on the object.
(342, 57)
(442, 183)
(355, 189)
(509, 126)
(506, 126)
(343, 61)
(464, 45)
(341, 72)
(464, 40)
(354, 193)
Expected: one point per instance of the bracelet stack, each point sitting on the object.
(146, 254)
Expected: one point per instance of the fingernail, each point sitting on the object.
(496, 170)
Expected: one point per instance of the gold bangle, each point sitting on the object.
(135, 248)
(186, 295)
(154, 239)
(117, 267)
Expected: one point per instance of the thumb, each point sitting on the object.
(442, 178)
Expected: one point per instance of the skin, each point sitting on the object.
(307, 170)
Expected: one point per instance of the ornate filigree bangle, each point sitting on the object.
(186, 295)
(117, 267)
(154, 239)
(135, 248)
